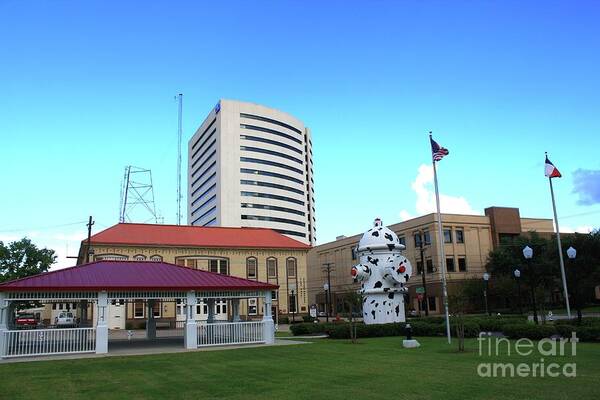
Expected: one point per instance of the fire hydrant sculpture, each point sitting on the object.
(383, 272)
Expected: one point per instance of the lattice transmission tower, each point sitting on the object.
(137, 197)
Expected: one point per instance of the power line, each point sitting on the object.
(42, 228)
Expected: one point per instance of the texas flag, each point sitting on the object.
(551, 170)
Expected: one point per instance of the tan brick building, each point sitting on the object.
(252, 253)
(468, 240)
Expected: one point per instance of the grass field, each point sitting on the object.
(377, 368)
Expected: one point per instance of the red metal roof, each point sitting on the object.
(132, 275)
(197, 236)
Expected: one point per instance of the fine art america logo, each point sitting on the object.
(501, 347)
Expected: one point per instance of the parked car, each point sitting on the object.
(25, 321)
(65, 319)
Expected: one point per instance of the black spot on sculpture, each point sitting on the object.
(391, 295)
(373, 261)
(389, 237)
(397, 310)
(378, 284)
(376, 233)
(373, 313)
(391, 246)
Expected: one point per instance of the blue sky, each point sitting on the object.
(88, 87)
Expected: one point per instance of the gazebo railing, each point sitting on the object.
(227, 333)
(39, 342)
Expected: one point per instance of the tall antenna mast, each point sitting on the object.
(179, 135)
(137, 196)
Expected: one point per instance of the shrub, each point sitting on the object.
(307, 318)
(588, 321)
(422, 328)
(342, 331)
(309, 328)
(284, 320)
(529, 331)
(497, 323)
(429, 320)
(472, 329)
(583, 333)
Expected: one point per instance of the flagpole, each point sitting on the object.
(441, 246)
(560, 254)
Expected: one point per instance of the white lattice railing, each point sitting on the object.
(220, 334)
(38, 342)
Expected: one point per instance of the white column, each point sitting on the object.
(268, 324)
(191, 328)
(101, 325)
(211, 311)
(3, 321)
(235, 307)
(150, 321)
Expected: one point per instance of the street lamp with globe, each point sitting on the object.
(517, 274)
(486, 278)
(572, 254)
(528, 254)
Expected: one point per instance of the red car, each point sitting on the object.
(26, 321)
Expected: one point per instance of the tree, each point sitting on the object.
(540, 274)
(458, 302)
(22, 258)
(353, 302)
(583, 272)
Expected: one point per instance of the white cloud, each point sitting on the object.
(579, 229)
(405, 215)
(64, 244)
(423, 187)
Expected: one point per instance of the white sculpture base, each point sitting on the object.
(383, 308)
(410, 344)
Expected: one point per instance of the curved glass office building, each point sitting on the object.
(251, 166)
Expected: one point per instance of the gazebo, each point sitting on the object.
(103, 282)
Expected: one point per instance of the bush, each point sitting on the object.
(423, 328)
(342, 331)
(583, 333)
(588, 321)
(307, 318)
(310, 328)
(529, 331)
(472, 329)
(284, 320)
(497, 323)
(429, 320)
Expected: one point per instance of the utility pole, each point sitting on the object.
(328, 294)
(425, 298)
(89, 239)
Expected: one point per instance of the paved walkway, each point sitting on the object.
(137, 347)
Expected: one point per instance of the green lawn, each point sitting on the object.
(377, 368)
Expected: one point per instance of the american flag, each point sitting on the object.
(437, 151)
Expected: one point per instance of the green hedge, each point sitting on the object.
(588, 321)
(529, 331)
(584, 333)
(419, 328)
(310, 328)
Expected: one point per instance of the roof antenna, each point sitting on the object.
(179, 135)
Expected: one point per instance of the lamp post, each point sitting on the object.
(572, 254)
(294, 309)
(517, 274)
(528, 254)
(425, 301)
(486, 278)
(326, 288)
